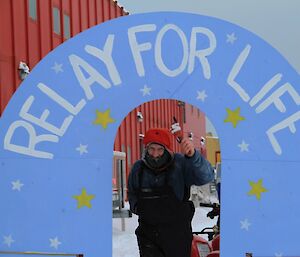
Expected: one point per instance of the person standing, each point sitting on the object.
(159, 190)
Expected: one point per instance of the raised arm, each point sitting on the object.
(198, 171)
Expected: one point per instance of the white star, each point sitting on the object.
(278, 254)
(201, 95)
(17, 185)
(54, 242)
(145, 90)
(244, 146)
(245, 224)
(57, 67)
(231, 38)
(82, 149)
(8, 240)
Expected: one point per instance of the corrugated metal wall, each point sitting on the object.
(27, 33)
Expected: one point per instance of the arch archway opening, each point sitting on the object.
(128, 148)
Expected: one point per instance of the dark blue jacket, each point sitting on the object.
(183, 173)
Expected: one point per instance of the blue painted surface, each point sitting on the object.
(37, 194)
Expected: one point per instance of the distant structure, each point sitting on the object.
(213, 150)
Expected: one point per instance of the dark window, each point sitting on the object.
(32, 9)
(56, 20)
(67, 33)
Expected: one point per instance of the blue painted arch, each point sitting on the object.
(252, 99)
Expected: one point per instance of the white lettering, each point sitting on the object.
(265, 89)
(106, 57)
(42, 120)
(158, 56)
(61, 101)
(275, 98)
(234, 72)
(33, 140)
(95, 77)
(203, 53)
(289, 122)
(136, 48)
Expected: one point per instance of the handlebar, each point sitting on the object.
(211, 231)
(210, 234)
(206, 205)
(215, 209)
(209, 205)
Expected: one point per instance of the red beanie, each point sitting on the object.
(160, 136)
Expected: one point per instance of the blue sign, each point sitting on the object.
(58, 130)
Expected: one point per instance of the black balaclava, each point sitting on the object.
(159, 163)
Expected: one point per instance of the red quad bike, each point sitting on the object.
(210, 248)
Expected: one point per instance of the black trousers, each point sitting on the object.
(164, 223)
(165, 241)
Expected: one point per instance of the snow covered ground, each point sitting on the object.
(124, 242)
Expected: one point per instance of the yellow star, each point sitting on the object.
(257, 189)
(234, 116)
(84, 199)
(103, 118)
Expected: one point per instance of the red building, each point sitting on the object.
(30, 29)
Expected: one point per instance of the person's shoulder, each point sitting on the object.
(137, 166)
(178, 158)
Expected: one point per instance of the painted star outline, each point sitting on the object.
(234, 116)
(54, 242)
(84, 199)
(103, 118)
(201, 95)
(243, 146)
(57, 67)
(257, 189)
(17, 185)
(245, 224)
(231, 38)
(8, 240)
(82, 149)
(146, 90)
